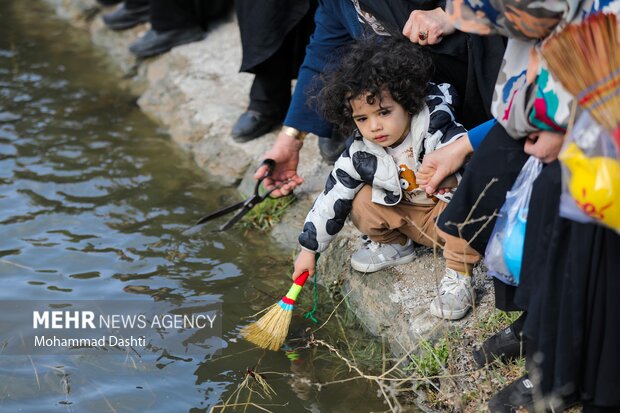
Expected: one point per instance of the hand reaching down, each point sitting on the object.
(285, 152)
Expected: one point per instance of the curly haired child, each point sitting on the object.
(381, 93)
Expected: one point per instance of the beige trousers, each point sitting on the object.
(394, 224)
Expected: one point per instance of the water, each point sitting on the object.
(94, 200)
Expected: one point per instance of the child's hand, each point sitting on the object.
(306, 260)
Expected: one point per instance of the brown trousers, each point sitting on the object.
(394, 224)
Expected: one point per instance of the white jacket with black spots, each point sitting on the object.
(365, 162)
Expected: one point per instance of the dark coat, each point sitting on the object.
(265, 24)
(469, 62)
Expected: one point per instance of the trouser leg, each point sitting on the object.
(271, 90)
(458, 254)
(136, 4)
(173, 14)
(271, 93)
(394, 224)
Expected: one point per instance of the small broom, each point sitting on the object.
(585, 58)
(271, 329)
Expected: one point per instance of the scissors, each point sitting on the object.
(244, 206)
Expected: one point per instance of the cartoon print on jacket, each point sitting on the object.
(407, 178)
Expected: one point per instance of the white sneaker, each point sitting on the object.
(456, 296)
(374, 256)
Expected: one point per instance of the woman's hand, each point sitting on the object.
(306, 260)
(428, 26)
(285, 152)
(440, 164)
(544, 145)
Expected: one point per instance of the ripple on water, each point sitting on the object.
(9, 117)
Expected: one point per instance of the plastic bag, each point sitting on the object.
(505, 248)
(590, 175)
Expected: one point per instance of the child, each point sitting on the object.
(381, 93)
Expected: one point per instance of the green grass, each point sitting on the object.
(431, 360)
(268, 213)
(496, 321)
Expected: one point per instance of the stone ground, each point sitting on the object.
(197, 93)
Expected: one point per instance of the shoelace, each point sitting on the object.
(450, 283)
(373, 246)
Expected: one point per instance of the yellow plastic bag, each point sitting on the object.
(590, 175)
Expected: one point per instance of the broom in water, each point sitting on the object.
(271, 329)
(585, 58)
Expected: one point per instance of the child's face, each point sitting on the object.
(385, 122)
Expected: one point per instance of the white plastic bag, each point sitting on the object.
(505, 248)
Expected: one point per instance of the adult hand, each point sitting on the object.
(428, 26)
(306, 260)
(440, 164)
(544, 145)
(285, 152)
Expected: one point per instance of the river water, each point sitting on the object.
(94, 204)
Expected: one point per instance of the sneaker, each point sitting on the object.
(504, 345)
(456, 296)
(517, 395)
(374, 256)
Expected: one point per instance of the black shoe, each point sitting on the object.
(124, 18)
(504, 345)
(108, 3)
(251, 125)
(154, 42)
(517, 395)
(332, 148)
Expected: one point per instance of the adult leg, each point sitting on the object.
(569, 288)
(270, 94)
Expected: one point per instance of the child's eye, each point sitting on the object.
(384, 112)
(360, 120)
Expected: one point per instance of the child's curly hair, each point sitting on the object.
(372, 66)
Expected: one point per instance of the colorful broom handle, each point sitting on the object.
(293, 292)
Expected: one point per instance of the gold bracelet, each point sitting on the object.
(294, 133)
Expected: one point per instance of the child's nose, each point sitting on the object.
(375, 124)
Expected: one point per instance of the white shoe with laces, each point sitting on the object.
(374, 256)
(456, 296)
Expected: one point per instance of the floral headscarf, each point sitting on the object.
(527, 98)
(520, 19)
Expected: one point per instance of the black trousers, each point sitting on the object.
(136, 4)
(270, 93)
(569, 286)
(180, 14)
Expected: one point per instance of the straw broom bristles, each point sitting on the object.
(585, 58)
(271, 329)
